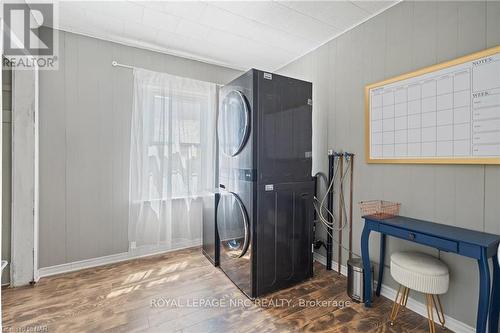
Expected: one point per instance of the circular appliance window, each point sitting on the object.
(232, 225)
(233, 125)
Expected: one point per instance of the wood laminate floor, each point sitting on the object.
(132, 296)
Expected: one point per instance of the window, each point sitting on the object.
(172, 156)
(176, 136)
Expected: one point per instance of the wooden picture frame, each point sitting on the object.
(424, 160)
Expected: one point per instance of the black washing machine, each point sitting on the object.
(210, 237)
(265, 209)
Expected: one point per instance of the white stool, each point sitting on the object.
(423, 273)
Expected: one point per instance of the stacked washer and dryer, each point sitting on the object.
(264, 215)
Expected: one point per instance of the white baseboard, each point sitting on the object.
(114, 258)
(414, 305)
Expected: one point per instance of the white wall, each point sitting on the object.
(406, 37)
(85, 110)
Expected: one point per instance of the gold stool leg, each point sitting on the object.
(405, 299)
(398, 302)
(430, 313)
(439, 310)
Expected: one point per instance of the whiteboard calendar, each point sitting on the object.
(447, 113)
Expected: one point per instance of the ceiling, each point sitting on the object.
(237, 34)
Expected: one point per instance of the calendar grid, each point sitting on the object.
(441, 114)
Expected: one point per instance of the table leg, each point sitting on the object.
(495, 296)
(381, 264)
(365, 253)
(484, 292)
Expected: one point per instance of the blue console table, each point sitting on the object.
(468, 243)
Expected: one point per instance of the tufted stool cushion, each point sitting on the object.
(420, 272)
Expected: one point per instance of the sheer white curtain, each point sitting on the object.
(172, 158)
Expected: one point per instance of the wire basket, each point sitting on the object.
(379, 209)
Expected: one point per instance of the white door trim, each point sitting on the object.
(24, 243)
(36, 275)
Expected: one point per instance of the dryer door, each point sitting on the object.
(233, 124)
(232, 225)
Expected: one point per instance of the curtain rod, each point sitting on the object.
(115, 63)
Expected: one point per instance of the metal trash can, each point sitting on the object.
(356, 280)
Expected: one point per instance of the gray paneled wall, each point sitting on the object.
(406, 37)
(85, 109)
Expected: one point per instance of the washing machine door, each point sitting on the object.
(232, 225)
(233, 123)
